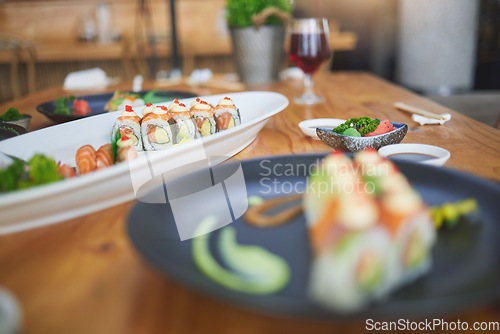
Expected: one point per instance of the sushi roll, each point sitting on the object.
(155, 130)
(226, 114)
(129, 125)
(405, 216)
(202, 115)
(183, 128)
(370, 231)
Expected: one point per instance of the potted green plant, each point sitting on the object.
(258, 33)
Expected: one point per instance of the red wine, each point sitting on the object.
(308, 51)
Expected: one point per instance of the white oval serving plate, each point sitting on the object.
(95, 191)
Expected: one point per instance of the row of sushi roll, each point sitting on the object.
(370, 231)
(162, 127)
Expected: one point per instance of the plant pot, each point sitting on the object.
(258, 53)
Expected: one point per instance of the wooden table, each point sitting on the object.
(83, 275)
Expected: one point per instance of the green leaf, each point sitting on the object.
(11, 175)
(239, 12)
(12, 114)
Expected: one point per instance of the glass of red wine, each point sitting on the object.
(309, 48)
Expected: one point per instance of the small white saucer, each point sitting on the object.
(420, 153)
(309, 126)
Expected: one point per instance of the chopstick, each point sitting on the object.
(415, 110)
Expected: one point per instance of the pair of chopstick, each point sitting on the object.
(415, 110)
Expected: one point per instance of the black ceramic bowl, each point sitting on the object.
(355, 144)
(23, 122)
(8, 130)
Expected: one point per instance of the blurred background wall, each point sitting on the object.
(204, 40)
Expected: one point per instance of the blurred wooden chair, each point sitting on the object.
(19, 50)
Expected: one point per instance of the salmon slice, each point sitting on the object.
(321, 231)
(199, 122)
(85, 159)
(151, 133)
(223, 121)
(104, 156)
(125, 131)
(66, 171)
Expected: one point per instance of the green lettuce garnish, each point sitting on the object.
(37, 171)
(11, 175)
(364, 125)
(62, 106)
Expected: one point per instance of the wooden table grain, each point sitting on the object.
(84, 276)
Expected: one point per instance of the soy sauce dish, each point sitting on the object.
(419, 153)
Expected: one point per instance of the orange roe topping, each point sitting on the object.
(128, 108)
(149, 105)
(182, 104)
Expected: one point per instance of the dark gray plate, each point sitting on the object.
(98, 101)
(466, 260)
(354, 144)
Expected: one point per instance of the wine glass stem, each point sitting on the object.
(308, 84)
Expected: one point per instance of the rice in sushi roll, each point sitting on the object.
(202, 115)
(183, 128)
(226, 114)
(129, 124)
(156, 133)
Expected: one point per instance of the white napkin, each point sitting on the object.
(201, 75)
(93, 78)
(422, 120)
